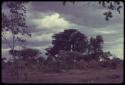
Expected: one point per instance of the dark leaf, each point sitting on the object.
(29, 34)
(106, 18)
(105, 13)
(118, 9)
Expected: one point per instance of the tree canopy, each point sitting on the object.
(14, 22)
(73, 40)
(69, 40)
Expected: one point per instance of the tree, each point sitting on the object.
(95, 46)
(14, 22)
(69, 40)
(99, 43)
(91, 49)
(106, 55)
(26, 53)
(79, 42)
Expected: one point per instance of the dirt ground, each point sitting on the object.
(103, 75)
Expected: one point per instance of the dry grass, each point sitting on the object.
(91, 75)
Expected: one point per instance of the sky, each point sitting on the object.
(47, 18)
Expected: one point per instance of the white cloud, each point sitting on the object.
(105, 32)
(116, 50)
(52, 21)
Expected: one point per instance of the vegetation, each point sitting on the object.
(26, 53)
(72, 40)
(69, 40)
(14, 23)
(71, 48)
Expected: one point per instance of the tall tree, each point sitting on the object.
(91, 46)
(96, 45)
(79, 42)
(14, 22)
(99, 43)
(69, 40)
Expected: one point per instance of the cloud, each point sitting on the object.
(81, 13)
(52, 21)
(106, 32)
(117, 50)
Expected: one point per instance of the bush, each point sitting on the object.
(25, 53)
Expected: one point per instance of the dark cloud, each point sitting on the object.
(80, 12)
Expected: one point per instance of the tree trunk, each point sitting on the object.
(16, 63)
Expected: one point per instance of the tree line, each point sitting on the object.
(74, 40)
(69, 47)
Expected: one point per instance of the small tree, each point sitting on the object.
(106, 55)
